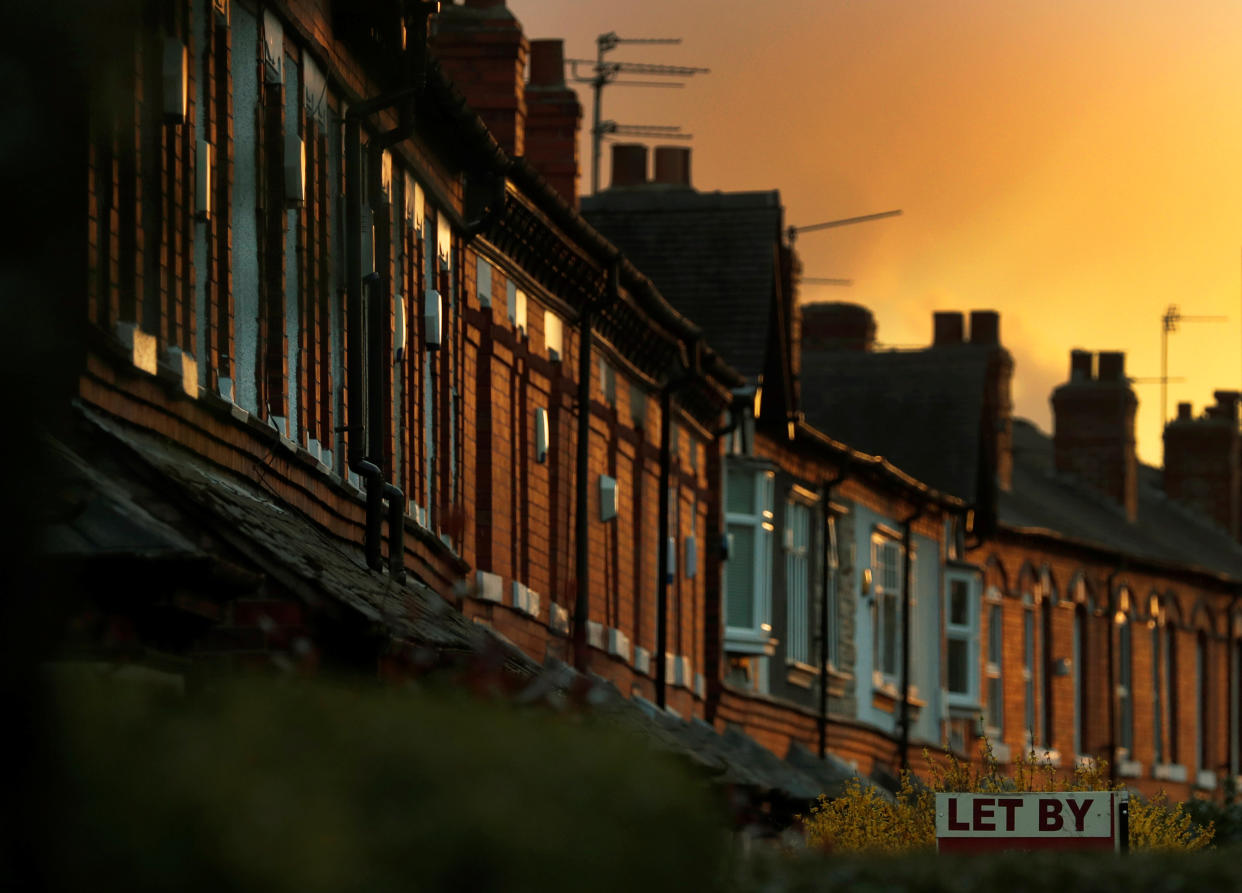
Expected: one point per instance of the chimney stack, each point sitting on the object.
(553, 115)
(1093, 422)
(629, 164)
(672, 165)
(948, 327)
(1203, 461)
(836, 325)
(481, 47)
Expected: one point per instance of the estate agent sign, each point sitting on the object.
(1077, 820)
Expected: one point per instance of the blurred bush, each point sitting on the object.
(860, 822)
(313, 787)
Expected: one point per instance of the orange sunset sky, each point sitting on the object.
(1076, 166)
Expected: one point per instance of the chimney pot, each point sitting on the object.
(984, 327)
(629, 164)
(1082, 365)
(948, 327)
(1184, 412)
(1112, 366)
(672, 165)
(547, 63)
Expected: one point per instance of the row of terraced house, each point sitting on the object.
(356, 358)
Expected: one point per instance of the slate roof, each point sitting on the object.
(1165, 531)
(712, 255)
(921, 410)
(105, 516)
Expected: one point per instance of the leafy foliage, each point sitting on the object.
(863, 821)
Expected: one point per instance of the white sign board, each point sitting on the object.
(1078, 820)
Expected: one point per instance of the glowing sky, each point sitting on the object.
(1076, 166)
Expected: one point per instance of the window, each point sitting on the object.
(834, 607)
(1028, 670)
(1080, 678)
(798, 582)
(994, 713)
(886, 581)
(961, 633)
(748, 575)
(1125, 686)
(1172, 707)
(1202, 680)
(1157, 685)
(483, 283)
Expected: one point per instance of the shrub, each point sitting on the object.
(863, 821)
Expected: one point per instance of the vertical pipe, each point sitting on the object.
(355, 423)
(582, 600)
(666, 405)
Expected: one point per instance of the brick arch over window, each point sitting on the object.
(1204, 619)
(1048, 585)
(994, 576)
(1082, 592)
(1028, 582)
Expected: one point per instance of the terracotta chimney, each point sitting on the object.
(553, 115)
(629, 164)
(836, 325)
(1203, 461)
(482, 49)
(672, 165)
(948, 327)
(1093, 421)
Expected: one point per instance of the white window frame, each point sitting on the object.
(755, 638)
(885, 592)
(994, 666)
(967, 632)
(798, 578)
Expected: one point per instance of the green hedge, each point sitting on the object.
(319, 788)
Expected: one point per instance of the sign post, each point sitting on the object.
(1062, 820)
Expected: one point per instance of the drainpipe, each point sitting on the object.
(1231, 683)
(905, 636)
(662, 534)
(582, 493)
(830, 585)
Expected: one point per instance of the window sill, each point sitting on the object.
(800, 674)
(1169, 772)
(887, 698)
(743, 642)
(1129, 769)
(1205, 780)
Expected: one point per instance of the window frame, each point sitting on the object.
(756, 638)
(967, 632)
(884, 597)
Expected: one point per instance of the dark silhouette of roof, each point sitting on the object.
(921, 410)
(1165, 530)
(712, 255)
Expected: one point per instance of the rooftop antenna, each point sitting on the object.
(824, 280)
(655, 131)
(793, 231)
(1169, 322)
(606, 73)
